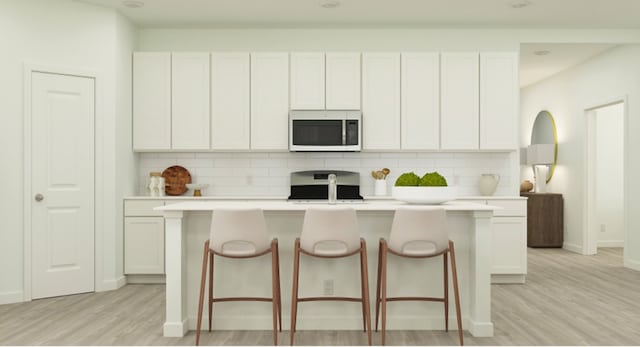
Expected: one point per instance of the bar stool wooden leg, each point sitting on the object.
(446, 293)
(362, 294)
(456, 295)
(274, 291)
(365, 279)
(378, 283)
(383, 275)
(210, 289)
(202, 282)
(278, 283)
(294, 292)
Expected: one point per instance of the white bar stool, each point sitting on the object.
(240, 233)
(331, 232)
(418, 232)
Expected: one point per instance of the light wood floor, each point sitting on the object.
(568, 299)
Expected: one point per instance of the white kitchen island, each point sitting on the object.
(187, 227)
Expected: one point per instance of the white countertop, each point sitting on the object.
(366, 198)
(283, 205)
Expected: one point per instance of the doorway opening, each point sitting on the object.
(606, 149)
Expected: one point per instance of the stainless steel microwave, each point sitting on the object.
(325, 131)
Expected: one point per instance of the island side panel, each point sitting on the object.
(176, 324)
(480, 324)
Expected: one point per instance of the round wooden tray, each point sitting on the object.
(175, 179)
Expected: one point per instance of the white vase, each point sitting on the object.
(489, 183)
(380, 187)
(541, 172)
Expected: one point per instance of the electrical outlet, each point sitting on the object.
(327, 287)
(603, 228)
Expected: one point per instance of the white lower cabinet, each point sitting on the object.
(143, 238)
(509, 239)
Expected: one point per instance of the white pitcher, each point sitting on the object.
(488, 183)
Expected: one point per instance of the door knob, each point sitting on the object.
(39, 197)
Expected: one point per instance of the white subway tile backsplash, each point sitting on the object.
(267, 173)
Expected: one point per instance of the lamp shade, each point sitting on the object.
(540, 154)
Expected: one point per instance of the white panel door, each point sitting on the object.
(62, 185)
(307, 81)
(143, 245)
(499, 93)
(190, 101)
(269, 101)
(230, 101)
(459, 107)
(420, 101)
(343, 81)
(151, 101)
(381, 101)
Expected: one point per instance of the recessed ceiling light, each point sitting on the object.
(542, 52)
(133, 3)
(329, 3)
(520, 3)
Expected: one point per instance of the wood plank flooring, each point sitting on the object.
(568, 299)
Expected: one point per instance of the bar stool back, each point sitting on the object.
(418, 232)
(240, 233)
(331, 232)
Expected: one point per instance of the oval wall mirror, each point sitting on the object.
(544, 132)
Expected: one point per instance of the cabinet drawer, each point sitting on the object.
(142, 207)
(510, 208)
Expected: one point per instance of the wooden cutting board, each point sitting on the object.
(175, 179)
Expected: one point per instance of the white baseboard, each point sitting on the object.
(507, 279)
(11, 297)
(113, 284)
(611, 243)
(572, 247)
(146, 279)
(632, 264)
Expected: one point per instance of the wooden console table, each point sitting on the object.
(545, 219)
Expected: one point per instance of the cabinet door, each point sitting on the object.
(190, 101)
(498, 100)
(459, 85)
(343, 81)
(509, 245)
(143, 245)
(307, 81)
(230, 112)
(269, 101)
(420, 101)
(151, 101)
(381, 101)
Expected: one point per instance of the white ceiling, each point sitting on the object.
(472, 13)
(561, 56)
(404, 13)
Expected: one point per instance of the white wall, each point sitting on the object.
(267, 174)
(607, 77)
(609, 175)
(67, 34)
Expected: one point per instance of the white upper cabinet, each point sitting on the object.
(498, 100)
(269, 101)
(420, 101)
(190, 101)
(343, 81)
(381, 101)
(459, 95)
(151, 101)
(230, 101)
(307, 81)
